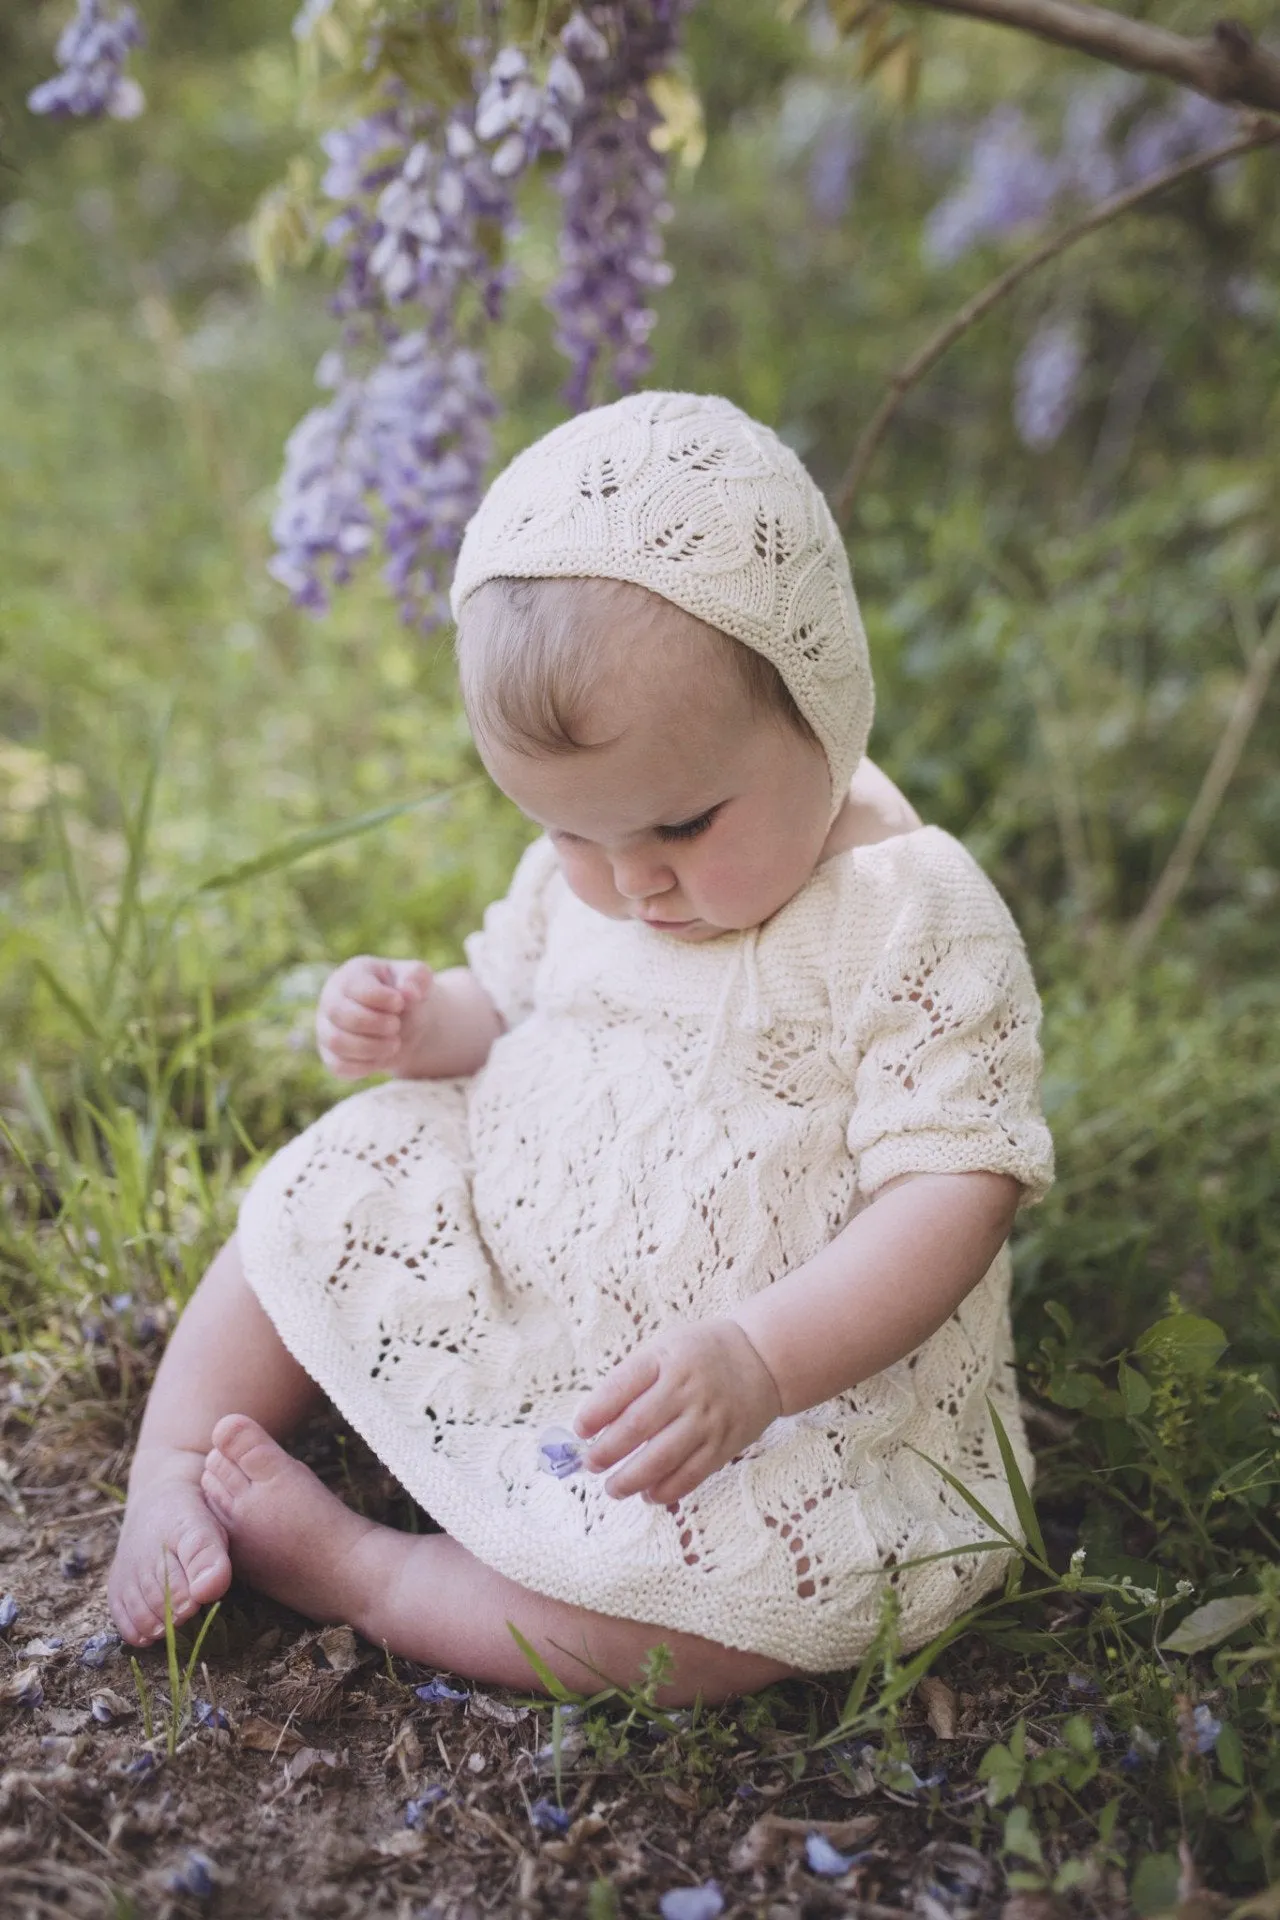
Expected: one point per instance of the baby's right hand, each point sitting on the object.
(365, 1017)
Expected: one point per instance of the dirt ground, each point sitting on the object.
(310, 1778)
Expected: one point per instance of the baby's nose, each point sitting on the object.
(640, 877)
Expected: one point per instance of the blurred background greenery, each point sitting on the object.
(1058, 637)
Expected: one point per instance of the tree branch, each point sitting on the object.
(1228, 65)
(1262, 134)
(1240, 722)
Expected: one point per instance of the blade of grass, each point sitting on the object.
(285, 853)
(552, 1683)
(137, 835)
(1024, 1505)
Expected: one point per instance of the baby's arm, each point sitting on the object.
(397, 1017)
(698, 1393)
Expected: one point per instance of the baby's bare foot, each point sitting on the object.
(290, 1537)
(169, 1535)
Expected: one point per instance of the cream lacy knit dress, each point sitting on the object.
(663, 1129)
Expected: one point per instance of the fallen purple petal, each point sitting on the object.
(9, 1611)
(438, 1690)
(29, 1692)
(547, 1817)
(73, 1561)
(417, 1808)
(137, 1768)
(194, 1877)
(209, 1716)
(97, 1650)
(825, 1859)
(1206, 1730)
(692, 1903)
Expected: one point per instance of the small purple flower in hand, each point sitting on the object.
(559, 1452)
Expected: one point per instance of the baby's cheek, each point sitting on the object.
(591, 883)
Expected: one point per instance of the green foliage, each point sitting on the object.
(1058, 641)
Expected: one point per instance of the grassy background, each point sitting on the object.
(1058, 642)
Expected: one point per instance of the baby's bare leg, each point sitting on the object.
(426, 1597)
(224, 1355)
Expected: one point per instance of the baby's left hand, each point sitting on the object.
(689, 1399)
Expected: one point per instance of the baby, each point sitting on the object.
(671, 1258)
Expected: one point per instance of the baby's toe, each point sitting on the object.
(205, 1563)
(247, 1446)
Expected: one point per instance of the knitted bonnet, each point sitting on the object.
(684, 494)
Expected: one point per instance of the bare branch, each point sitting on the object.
(1262, 134)
(1218, 774)
(1228, 65)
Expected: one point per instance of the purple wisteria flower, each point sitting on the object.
(438, 1690)
(547, 1817)
(833, 167)
(1205, 1730)
(416, 1810)
(91, 53)
(1161, 138)
(692, 1903)
(193, 1878)
(397, 456)
(1009, 184)
(98, 1649)
(613, 194)
(559, 1452)
(1046, 381)
(824, 1859)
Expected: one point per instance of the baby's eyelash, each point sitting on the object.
(688, 829)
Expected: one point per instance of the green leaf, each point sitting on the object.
(1134, 1391)
(67, 1000)
(1213, 1622)
(1024, 1505)
(1002, 1770)
(286, 853)
(1154, 1888)
(602, 1901)
(1230, 1755)
(1184, 1343)
(1020, 1837)
(552, 1683)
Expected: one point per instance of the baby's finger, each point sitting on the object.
(413, 978)
(372, 983)
(661, 1460)
(646, 1416)
(350, 1016)
(632, 1376)
(353, 1048)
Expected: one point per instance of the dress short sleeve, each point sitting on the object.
(943, 1037)
(504, 955)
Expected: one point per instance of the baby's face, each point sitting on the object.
(689, 810)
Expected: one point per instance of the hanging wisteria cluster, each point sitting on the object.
(1010, 182)
(424, 211)
(91, 53)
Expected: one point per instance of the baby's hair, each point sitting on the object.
(531, 653)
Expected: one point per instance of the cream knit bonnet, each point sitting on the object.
(684, 494)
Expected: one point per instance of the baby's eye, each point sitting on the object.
(688, 829)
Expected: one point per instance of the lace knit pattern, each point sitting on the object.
(664, 1129)
(684, 494)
